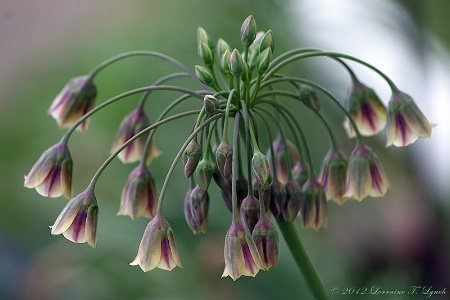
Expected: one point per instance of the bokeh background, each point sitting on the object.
(396, 242)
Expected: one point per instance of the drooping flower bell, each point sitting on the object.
(241, 255)
(133, 123)
(281, 152)
(293, 200)
(196, 207)
(139, 194)
(51, 175)
(406, 122)
(365, 175)
(250, 212)
(333, 175)
(313, 205)
(265, 237)
(367, 110)
(78, 220)
(76, 99)
(157, 248)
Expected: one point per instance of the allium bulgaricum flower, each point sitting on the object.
(265, 237)
(281, 152)
(241, 255)
(139, 194)
(333, 176)
(196, 207)
(277, 197)
(249, 212)
(133, 123)
(51, 175)
(157, 248)
(367, 110)
(191, 157)
(75, 100)
(406, 122)
(365, 175)
(293, 200)
(313, 207)
(78, 220)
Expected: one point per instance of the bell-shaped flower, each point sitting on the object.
(281, 151)
(313, 205)
(406, 122)
(196, 207)
(139, 194)
(366, 109)
(333, 175)
(157, 248)
(265, 237)
(241, 254)
(78, 220)
(365, 175)
(133, 123)
(293, 201)
(191, 157)
(249, 212)
(75, 100)
(51, 175)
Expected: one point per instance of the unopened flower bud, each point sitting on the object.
(225, 188)
(248, 31)
(222, 47)
(314, 205)
(225, 62)
(203, 37)
(205, 54)
(293, 201)
(265, 237)
(263, 60)
(249, 212)
(406, 122)
(309, 97)
(196, 206)
(224, 155)
(235, 63)
(205, 170)
(204, 75)
(245, 76)
(260, 167)
(267, 41)
(278, 197)
(191, 157)
(211, 104)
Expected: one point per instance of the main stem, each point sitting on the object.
(305, 265)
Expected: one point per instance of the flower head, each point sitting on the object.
(333, 176)
(139, 194)
(133, 123)
(367, 110)
(78, 220)
(314, 205)
(241, 254)
(365, 175)
(406, 122)
(157, 248)
(51, 175)
(265, 237)
(76, 99)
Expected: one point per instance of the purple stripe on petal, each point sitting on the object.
(377, 180)
(402, 127)
(369, 115)
(78, 226)
(248, 259)
(53, 178)
(166, 252)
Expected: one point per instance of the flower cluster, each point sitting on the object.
(246, 138)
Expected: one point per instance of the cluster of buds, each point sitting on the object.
(245, 108)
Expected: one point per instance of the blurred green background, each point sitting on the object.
(395, 242)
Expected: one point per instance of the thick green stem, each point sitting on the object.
(302, 260)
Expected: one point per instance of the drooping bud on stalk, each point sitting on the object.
(406, 122)
(191, 157)
(204, 75)
(333, 176)
(262, 193)
(224, 155)
(281, 152)
(261, 168)
(205, 170)
(225, 189)
(211, 104)
(205, 54)
(278, 197)
(313, 205)
(250, 212)
(293, 201)
(235, 63)
(309, 97)
(300, 172)
(265, 237)
(263, 60)
(248, 31)
(196, 207)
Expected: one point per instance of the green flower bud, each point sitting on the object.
(205, 54)
(263, 60)
(210, 103)
(225, 62)
(266, 41)
(205, 171)
(224, 155)
(203, 37)
(248, 31)
(222, 46)
(309, 97)
(191, 157)
(245, 76)
(235, 63)
(204, 75)
(261, 168)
